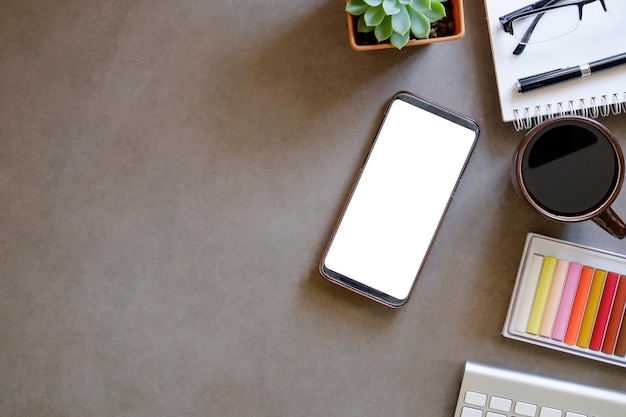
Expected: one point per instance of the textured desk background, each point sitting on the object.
(169, 174)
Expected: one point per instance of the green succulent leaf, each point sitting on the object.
(401, 22)
(436, 12)
(374, 15)
(357, 7)
(420, 5)
(384, 30)
(391, 6)
(374, 3)
(420, 25)
(362, 27)
(405, 2)
(399, 40)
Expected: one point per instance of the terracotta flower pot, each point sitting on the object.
(459, 31)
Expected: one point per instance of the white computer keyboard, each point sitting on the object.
(487, 391)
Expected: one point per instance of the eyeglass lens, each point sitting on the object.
(545, 26)
(554, 23)
(615, 7)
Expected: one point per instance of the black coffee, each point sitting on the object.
(570, 169)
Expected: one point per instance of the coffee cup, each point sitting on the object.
(571, 169)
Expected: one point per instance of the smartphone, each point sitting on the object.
(399, 199)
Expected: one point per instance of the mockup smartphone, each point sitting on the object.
(399, 199)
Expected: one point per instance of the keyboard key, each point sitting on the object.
(550, 412)
(526, 409)
(492, 414)
(475, 398)
(570, 414)
(471, 412)
(500, 404)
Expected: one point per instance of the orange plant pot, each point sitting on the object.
(459, 31)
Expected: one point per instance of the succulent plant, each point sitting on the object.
(396, 20)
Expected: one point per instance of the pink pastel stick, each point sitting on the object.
(554, 299)
(567, 299)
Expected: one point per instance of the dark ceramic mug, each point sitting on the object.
(570, 169)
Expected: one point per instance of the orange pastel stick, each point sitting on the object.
(591, 309)
(578, 308)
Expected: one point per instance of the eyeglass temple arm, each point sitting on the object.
(522, 45)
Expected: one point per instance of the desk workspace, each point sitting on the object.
(171, 173)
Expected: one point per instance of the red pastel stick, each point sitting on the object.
(616, 317)
(602, 317)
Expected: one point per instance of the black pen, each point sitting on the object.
(563, 74)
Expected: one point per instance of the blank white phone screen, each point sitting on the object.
(399, 200)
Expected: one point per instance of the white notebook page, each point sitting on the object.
(598, 35)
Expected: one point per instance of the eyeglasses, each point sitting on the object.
(545, 20)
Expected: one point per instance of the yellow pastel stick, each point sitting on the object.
(593, 300)
(528, 296)
(541, 296)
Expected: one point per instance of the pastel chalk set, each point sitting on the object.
(571, 298)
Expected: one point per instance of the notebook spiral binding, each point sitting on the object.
(594, 107)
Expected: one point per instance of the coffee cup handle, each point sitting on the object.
(611, 222)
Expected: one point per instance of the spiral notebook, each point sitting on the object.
(599, 35)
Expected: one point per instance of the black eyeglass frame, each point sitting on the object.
(539, 7)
